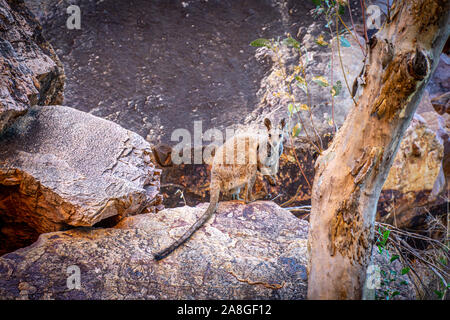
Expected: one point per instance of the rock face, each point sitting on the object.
(316, 121)
(195, 178)
(30, 71)
(62, 167)
(181, 64)
(255, 251)
(439, 83)
(417, 177)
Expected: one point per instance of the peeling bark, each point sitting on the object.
(350, 174)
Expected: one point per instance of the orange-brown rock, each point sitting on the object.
(254, 251)
(60, 167)
(416, 178)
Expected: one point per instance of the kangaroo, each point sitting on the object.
(234, 166)
(272, 162)
(269, 167)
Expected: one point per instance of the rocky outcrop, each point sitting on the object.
(417, 177)
(193, 180)
(30, 71)
(317, 121)
(439, 83)
(61, 167)
(255, 251)
(420, 169)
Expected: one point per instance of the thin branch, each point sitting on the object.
(340, 58)
(363, 9)
(319, 149)
(354, 30)
(406, 261)
(309, 100)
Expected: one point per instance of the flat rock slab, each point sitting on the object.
(60, 166)
(255, 251)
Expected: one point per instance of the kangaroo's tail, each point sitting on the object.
(214, 199)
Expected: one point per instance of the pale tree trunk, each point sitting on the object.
(350, 174)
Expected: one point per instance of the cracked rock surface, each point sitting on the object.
(30, 71)
(254, 251)
(61, 167)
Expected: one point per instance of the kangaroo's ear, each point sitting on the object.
(267, 123)
(282, 123)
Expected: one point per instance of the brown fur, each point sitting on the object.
(234, 166)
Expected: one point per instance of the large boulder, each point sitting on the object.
(61, 167)
(31, 73)
(418, 179)
(255, 251)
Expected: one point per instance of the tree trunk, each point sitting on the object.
(350, 174)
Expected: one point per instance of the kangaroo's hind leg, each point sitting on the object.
(235, 194)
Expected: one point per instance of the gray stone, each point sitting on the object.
(31, 73)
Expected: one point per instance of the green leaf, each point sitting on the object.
(439, 294)
(380, 249)
(405, 270)
(290, 107)
(341, 9)
(395, 293)
(317, 2)
(344, 42)
(404, 282)
(394, 257)
(300, 79)
(321, 81)
(291, 42)
(336, 88)
(385, 236)
(296, 130)
(261, 42)
(380, 231)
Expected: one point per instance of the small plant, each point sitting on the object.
(390, 277)
(443, 286)
(296, 76)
